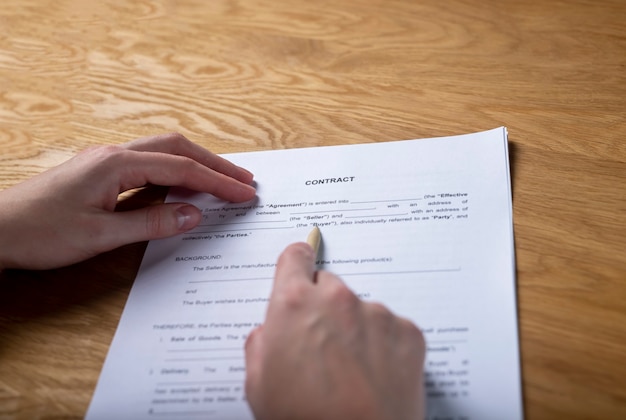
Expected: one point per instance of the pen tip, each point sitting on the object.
(314, 238)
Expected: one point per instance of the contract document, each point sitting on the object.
(422, 226)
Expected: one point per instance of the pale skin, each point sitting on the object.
(322, 353)
(70, 208)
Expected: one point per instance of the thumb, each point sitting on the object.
(152, 222)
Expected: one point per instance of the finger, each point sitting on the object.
(335, 294)
(383, 321)
(141, 168)
(296, 264)
(379, 311)
(415, 335)
(177, 144)
(253, 354)
(253, 348)
(325, 279)
(153, 222)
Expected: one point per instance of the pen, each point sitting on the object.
(314, 239)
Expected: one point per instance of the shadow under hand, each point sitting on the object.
(88, 296)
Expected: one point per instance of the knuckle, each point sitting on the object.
(290, 297)
(104, 152)
(413, 333)
(176, 139)
(381, 316)
(252, 335)
(381, 311)
(103, 157)
(185, 168)
(294, 251)
(338, 293)
(154, 222)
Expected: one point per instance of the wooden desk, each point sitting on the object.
(260, 74)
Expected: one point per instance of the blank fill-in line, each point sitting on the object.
(183, 413)
(203, 359)
(376, 215)
(244, 223)
(223, 280)
(332, 211)
(438, 270)
(236, 230)
(201, 350)
(178, 383)
(386, 201)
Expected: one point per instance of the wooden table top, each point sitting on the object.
(262, 74)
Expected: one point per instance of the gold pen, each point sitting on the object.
(314, 239)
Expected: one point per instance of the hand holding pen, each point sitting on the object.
(323, 353)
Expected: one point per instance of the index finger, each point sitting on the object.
(177, 144)
(296, 265)
(135, 169)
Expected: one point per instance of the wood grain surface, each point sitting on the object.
(238, 75)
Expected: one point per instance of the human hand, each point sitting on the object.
(66, 214)
(322, 353)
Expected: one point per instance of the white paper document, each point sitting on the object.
(423, 226)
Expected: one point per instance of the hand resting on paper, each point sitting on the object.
(66, 214)
(322, 353)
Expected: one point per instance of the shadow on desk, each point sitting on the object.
(56, 327)
(26, 295)
(55, 330)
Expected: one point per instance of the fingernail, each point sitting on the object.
(249, 189)
(185, 216)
